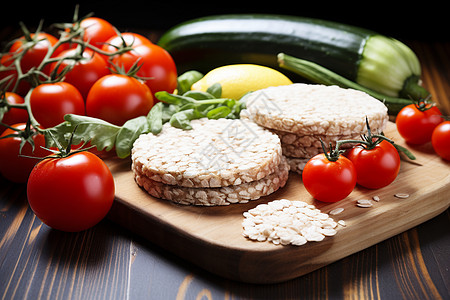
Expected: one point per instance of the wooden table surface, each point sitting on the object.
(109, 262)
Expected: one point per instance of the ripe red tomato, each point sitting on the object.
(130, 39)
(97, 31)
(32, 57)
(17, 168)
(49, 103)
(440, 140)
(14, 115)
(415, 125)
(84, 72)
(329, 181)
(72, 193)
(157, 66)
(117, 98)
(376, 167)
(7, 63)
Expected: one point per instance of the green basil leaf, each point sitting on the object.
(186, 80)
(128, 134)
(100, 133)
(215, 90)
(198, 95)
(218, 112)
(167, 112)
(154, 118)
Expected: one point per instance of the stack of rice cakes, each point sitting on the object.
(218, 162)
(303, 114)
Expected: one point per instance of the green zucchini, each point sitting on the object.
(372, 60)
(321, 75)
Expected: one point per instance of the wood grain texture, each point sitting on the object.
(110, 262)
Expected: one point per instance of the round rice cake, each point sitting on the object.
(310, 109)
(307, 141)
(215, 153)
(241, 193)
(296, 165)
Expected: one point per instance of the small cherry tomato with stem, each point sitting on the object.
(117, 98)
(97, 31)
(15, 110)
(416, 122)
(71, 190)
(376, 160)
(20, 145)
(81, 68)
(26, 53)
(329, 176)
(156, 66)
(440, 139)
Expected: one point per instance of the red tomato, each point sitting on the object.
(17, 168)
(49, 103)
(7, 62)
(72, 193)
(117, 98)
(130, 39)
(416, 126)
(84, 72)
(126, 39)
(329, 181)
(157, 66)
(32, 57)
(97, 31)
(440, 139)
(376, 167)
(14, 115)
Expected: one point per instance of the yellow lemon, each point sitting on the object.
(237, 80)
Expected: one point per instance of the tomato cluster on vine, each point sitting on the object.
(90, 69)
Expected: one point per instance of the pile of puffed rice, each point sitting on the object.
(287, 222)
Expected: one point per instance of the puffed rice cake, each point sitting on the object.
(226, 195)
(315, 109)
(215, 153)
(303, 114)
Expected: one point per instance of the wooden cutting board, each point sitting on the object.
(211, 237)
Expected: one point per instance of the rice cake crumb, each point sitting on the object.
(286, 222)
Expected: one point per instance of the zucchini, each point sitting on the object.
(372, 60)
(321, 75)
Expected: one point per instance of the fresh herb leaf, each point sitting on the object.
(186, 80)
(100, 133)
(128, 134)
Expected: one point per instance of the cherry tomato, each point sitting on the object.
(97, 31)
(440, 139)
(129, 38)
(49, 103)
(327, 180)
(157, 67)
(72, 193)
(17, 168)
(84, 72)
(376, 167)
(7, 63)
(14, 115)
(117, 98)
(126, 39)
(32, 57)
(415, 125)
